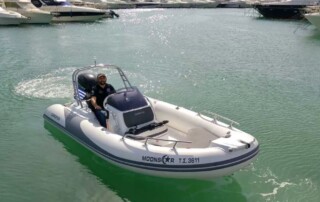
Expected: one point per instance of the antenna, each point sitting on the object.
(95, 60)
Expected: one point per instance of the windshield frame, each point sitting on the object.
(77, 72)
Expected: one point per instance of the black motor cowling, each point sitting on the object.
(87, 81)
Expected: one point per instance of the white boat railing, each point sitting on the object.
(216, 117)
(157, 139)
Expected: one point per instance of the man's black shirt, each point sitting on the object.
(101, 93)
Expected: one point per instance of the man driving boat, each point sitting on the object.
(100, 92)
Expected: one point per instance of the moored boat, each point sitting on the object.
(293, 9)
(64, 11)
(150, 136)
(26, 8)
(11, 17)
(313, 18)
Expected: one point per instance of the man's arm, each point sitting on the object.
(94, 102)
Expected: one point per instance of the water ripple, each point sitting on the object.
(51, 85)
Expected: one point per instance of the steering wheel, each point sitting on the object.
(105, 101)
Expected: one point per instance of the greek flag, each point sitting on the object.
(81, 93)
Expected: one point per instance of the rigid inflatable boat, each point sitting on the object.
(150, 136)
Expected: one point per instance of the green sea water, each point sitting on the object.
(264, 74)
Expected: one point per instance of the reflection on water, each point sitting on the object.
(137, 187)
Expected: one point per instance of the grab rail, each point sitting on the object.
(174, 145)
(151, 138)
(217, 117)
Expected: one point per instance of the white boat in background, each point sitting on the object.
(188, 4)
(150, 136)
(10, 17)
(313, 18)
(64, 11)
(26, 8)
(108, 13)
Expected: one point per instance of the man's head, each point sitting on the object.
(102, 79)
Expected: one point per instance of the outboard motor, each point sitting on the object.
(129, 109)
(87, 82)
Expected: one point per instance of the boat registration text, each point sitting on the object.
(167, 159)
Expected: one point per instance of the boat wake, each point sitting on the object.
(278, 185)
(280, 188)
(271, 180)
(52, 85)
(58, 84)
